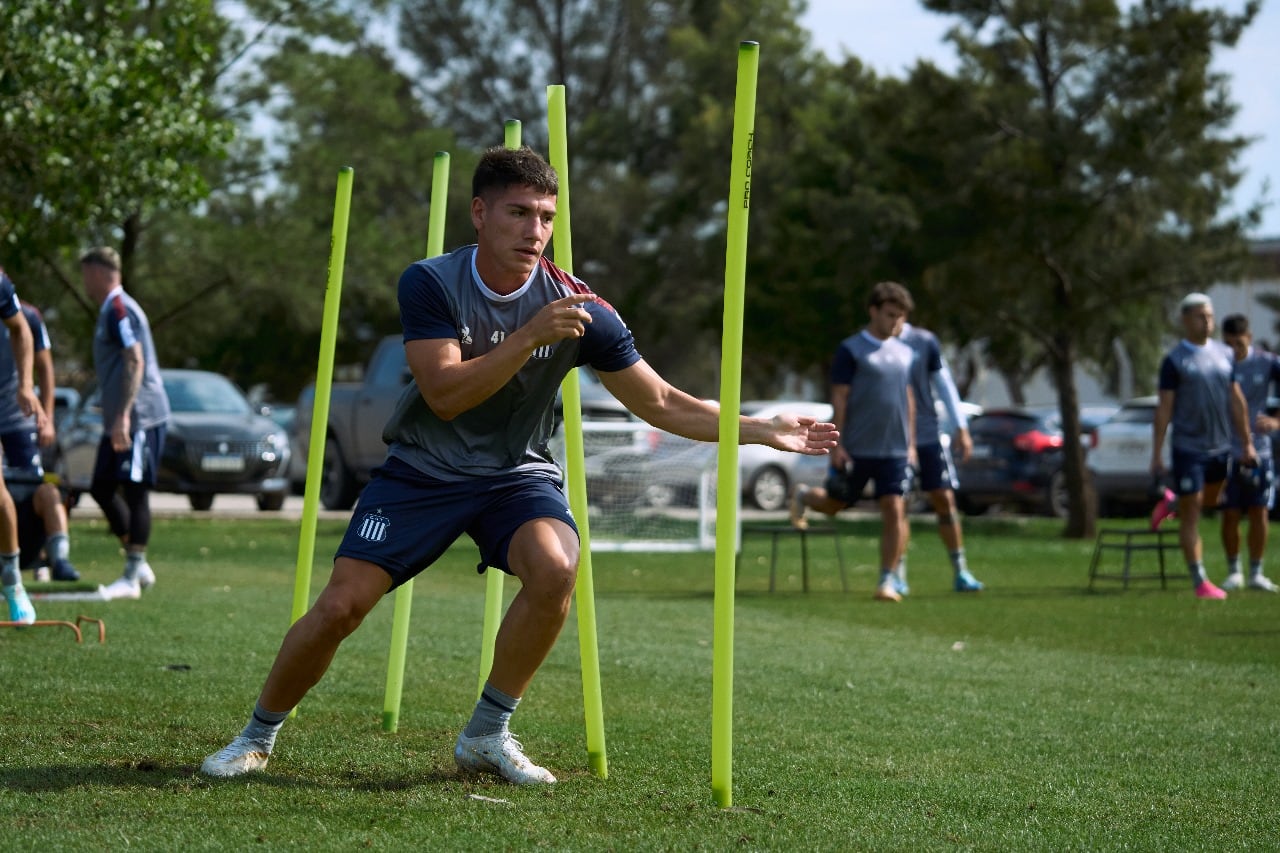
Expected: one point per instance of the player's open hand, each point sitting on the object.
(802, 434)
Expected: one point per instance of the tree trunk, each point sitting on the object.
(1083, 515)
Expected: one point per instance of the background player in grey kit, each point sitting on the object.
(874, 410)
(15, 595)
(135, 413)
(490, 331)
(936, 471)
(1201, 403)
(1250, 489)
(42, 521)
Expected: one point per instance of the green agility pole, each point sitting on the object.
(404, 593)
(493, 577)
(324, 384)
(735, 273)
(571, 394)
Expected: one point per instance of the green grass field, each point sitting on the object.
(1035, 716)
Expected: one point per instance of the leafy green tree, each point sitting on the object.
(1099, 194)
(261, 247)
(106, 114)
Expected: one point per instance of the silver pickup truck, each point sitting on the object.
(358, 411)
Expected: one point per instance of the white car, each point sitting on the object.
(1120, 459)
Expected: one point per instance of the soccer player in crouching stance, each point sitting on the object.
(490, 331)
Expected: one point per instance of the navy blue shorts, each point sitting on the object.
(405, 519)
(892, 476)
(936, 470)
(138, 464)
(1191, 471)
(21, 451)
(1250, 487)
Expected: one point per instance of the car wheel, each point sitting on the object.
(660, 495)
(337, 487)
(271, 501)
(201, 501)
(768, 488)
(1058, 499)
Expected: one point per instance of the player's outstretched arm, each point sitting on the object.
(656, 401)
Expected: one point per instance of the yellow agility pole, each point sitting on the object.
(493, 577)
(404, 592)
(735, 273)
(571, 395)
(323, 386)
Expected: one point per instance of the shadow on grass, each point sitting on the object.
(146, 774)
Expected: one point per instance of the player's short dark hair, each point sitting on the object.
(101, 256)
(890, 291)
(1236, 324)
(501, 168)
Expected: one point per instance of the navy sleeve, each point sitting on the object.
(39, 334)
(424, 311)
(8, 298)
(843, 366)
(1169, 375)
(934, 362)
(607, 343)
(1275, 369)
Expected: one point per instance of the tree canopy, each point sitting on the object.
(1054, 196)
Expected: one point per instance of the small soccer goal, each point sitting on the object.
(647, 490)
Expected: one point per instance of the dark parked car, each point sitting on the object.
(1017, 460)
(216, 443)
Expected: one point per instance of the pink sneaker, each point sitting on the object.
(1206, 589)
(1166, 508)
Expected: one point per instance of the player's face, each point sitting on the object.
(1198, 323)
(886, 320)
(98, 281)
(512, 231)
(1239, 344)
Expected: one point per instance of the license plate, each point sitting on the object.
(981, 451)
(1133, 448)
(222, 463)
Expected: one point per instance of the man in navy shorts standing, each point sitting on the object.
(874, 410)
(936, 470)
(42, 523)
(490, 331)
(1202, 402)
(135, 415)
(1250, 490)
(16, 384)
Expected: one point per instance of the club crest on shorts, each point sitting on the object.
(373, 527)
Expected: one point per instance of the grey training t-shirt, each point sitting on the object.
(121, 324)
(443, 297)
(1200, 377)
(1256, 373)
(878, 374)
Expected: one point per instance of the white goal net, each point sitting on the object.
(647, 490)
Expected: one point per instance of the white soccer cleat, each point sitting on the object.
(120, 589)
(20, 608)
(146, 577)
(1263, 583)
(501, 755)
(1235, 580)
(237, 758)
